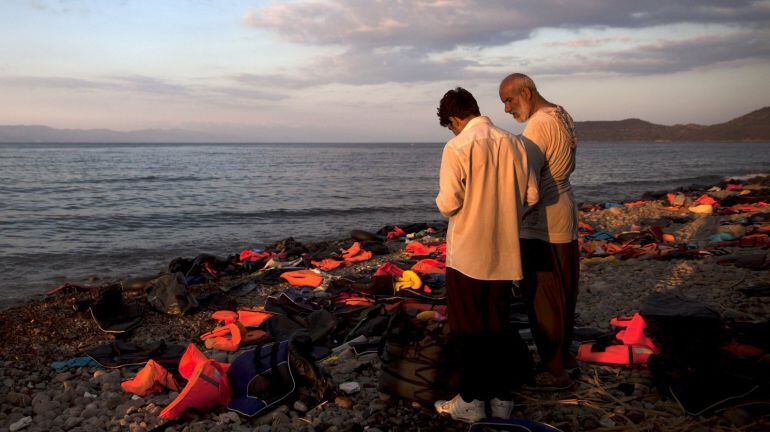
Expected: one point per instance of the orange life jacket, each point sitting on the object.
(429, 266)
(355, 254)
(395, 233)
(231, 336)
(207, 388)
(327, 264)
(152, 379)
(191, 358)
(236, 330)
(303, 278)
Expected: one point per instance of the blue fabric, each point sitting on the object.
(257, 385)
(720, 237)
(194, 280)
(74, 363)
(434, 279)
(611, 204)
(600, 235)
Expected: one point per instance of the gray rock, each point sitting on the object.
(71, 422)
(44, 425)
(64, 376)
(42, 407)
(377, 405)
(74, 411)
(229, 417)
(20, 424)
(14, 416)
(300, 406)
(18, 399)
(90, 412)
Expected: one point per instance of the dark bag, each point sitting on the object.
(275, 373)
(414, 361)
(112, 314)
(168, 294)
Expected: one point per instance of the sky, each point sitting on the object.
(372, 71)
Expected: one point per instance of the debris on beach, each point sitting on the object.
(315, 322)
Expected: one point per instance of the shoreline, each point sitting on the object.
(39, 332)
(161, 256)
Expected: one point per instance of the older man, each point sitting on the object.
(549, 247)
(483, 189)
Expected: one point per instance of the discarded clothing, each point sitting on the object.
(407, 280)
(119, 354)
(261, 378)
(251, 255)
(232, 336)
(600, 235)
(303, 278)
(362, 235)
(72, 363)
(389, 269)
(395, 233)
(355, 254)
(327, 264)
(190, 359)
(629, 346)
(112, 314)
(152, 379)
(168, 294)
(429, 266)
(207, 388)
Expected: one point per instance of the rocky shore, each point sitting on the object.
(35, 397)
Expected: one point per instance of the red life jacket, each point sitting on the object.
(634, 346)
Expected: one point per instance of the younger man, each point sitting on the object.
(483, 188)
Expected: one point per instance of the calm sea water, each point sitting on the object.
(70, 211)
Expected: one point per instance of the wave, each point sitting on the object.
(746, 176)
(171, 217)
(151, 178)
(707, 179)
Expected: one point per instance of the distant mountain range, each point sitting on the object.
(45, 134)
(754, 126)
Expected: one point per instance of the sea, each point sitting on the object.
(78, 212)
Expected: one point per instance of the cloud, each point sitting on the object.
(588, 42)
(150, 85)
(146, 86)
(390, 41)
(659, 57)
(446, 24)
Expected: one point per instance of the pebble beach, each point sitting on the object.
(36, 397)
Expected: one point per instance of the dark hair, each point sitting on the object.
(458, 103)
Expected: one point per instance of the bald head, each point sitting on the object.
(518, 81)
(519, 95)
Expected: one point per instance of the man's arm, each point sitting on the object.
(451, 193)
(528, 166)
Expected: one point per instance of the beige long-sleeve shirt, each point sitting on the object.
(484, 185)
(550, 140)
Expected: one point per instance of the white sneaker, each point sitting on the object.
(458, 409)
(501, 409)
